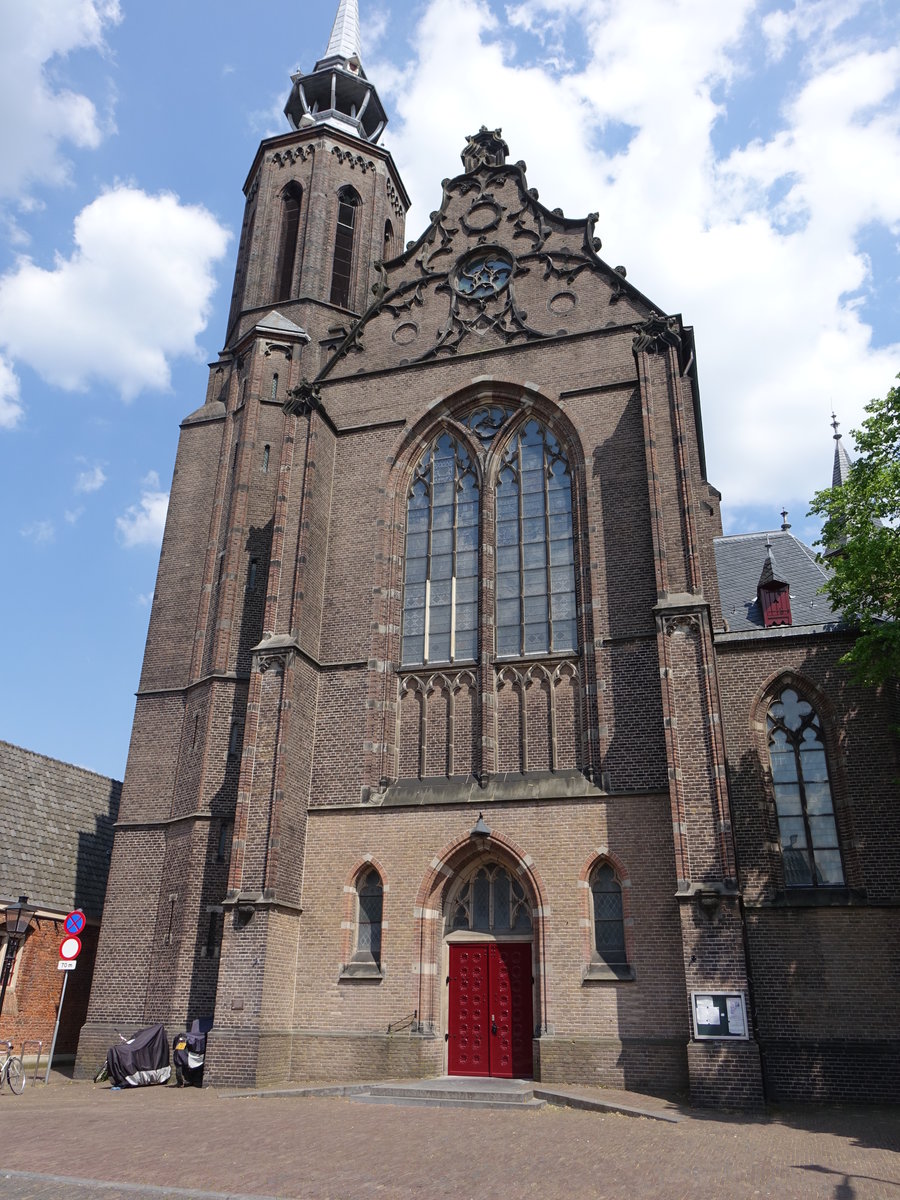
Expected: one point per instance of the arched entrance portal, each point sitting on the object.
(490, 977)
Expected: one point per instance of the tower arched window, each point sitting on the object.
(440, 597)
(535, 548)
(803, 799)
(344, 237)
(291, 199)
(388, 241)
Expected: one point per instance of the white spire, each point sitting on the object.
(344, 40)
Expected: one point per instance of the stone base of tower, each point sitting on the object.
(247, 1058)
(725, 1075)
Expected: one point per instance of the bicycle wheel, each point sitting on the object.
(15, 1075)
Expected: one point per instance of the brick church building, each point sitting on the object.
(464, 742)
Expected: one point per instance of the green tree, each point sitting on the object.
(861, 543)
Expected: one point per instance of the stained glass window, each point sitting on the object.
(370, 894)
(492, 902)
(609, 925)
(440, 595)
(803, 800)
(535, 552)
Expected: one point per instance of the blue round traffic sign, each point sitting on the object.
(75, 922)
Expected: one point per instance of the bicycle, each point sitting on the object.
(13, 1069)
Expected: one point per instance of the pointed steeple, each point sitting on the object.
(336, 91)
(344, 40)
(842, 461)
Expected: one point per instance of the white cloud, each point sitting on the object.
(142, 524)
(91, 480)
(73, 515)
(10, 405)
(757, 242)
(134, 293)
(39, 532)
(47, 115)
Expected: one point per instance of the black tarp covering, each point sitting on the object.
(143, 1059)
(189, 1054)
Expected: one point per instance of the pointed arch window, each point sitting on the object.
(803, 799)
(440, 597)
(388, 241)
(370, 904)
(535, 548)
(291, 199)
(608, 917)
(342, 269)
(491, 901)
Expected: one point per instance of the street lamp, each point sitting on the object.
(17, 922)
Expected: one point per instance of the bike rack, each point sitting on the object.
(40, 1046)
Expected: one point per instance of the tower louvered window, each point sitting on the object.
(803, 799)
(287, 250)
(342, 269)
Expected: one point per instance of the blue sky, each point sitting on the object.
(744, 158)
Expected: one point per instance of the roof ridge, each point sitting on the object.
(60, 761)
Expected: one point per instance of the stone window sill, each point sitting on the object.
(821, 897)
(598, 972)
(362, 970)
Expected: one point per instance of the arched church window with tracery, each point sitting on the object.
(535, 552)
(491, 901)
(803, 798)
(291, 199)
(342, 268)
(608, 917)
(440, 595)
(370, 904)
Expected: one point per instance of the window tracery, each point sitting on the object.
(803, 800)
(440, 600)
(491, 901)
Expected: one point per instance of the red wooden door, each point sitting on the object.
(490, 1013)
(469, 1019)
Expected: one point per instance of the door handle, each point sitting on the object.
(493, 1024)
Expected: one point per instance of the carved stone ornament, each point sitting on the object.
(281, 347)
(303, 399)
(679, 623)
(271, 663)
(347, 157)
(656, 334)
(292, 154)
(486, 148)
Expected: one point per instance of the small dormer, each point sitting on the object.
(773, 593)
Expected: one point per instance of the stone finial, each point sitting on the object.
(486, 148)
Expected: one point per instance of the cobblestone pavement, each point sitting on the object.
(80, 1141)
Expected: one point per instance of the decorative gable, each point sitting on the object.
(494, 268)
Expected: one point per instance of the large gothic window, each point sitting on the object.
(440, 597)
(803, 799)
(342, 269)
(535, 550)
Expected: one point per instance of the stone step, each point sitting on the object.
(415, 1099)
(456, 1091)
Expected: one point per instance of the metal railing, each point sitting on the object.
(410, 1023)
(37, 1062)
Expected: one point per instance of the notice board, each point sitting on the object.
(719, 1015)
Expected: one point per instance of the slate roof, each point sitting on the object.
(740, 560)
(57, 831)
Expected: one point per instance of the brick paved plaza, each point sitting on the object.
(73, 1139)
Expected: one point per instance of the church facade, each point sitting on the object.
(464, 741)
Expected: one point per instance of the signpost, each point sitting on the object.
(69, 949)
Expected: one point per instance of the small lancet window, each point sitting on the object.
(388, 241)
(265, 459)
(287, 246)
(370, 903)
(803, 799)
(535, 547)
(342, 269)
(609, 924)
(492, 902)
